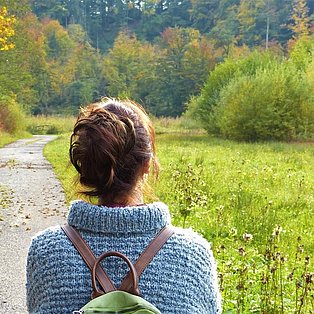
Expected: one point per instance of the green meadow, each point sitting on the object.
(253, 202)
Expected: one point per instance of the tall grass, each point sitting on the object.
(254, 202)
(49, 124)
(176, 125)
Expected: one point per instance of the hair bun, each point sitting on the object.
(110, 144)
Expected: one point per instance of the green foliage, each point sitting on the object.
(300, 19)
(227, 21)
(250, 13)
(17, 65)
(160, 76)
(275, 103)
(301, 53)
(11, 115)
(186, 185)
(56, 64)
(202, 106)
(258, 97)
(181, 124)
(129, 68)
(183, 64)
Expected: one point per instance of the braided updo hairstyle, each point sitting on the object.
(112, 142)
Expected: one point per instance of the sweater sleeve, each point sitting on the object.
(35, 282)
(49, 275)
(211, 283)
(201, 265)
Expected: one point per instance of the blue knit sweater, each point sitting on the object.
(181, 279)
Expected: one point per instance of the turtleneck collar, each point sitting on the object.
(140, 218)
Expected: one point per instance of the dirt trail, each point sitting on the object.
(31, 199)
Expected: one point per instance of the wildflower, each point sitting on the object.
(273, 269)
(277, 230)
(241, 251)
(300, 248)
(247, 237)
(309, 278)
(283, 259)
(264, 279)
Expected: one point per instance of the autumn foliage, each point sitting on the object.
(6, 29)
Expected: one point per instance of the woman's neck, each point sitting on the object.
(134, 199)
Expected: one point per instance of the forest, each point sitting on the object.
(173, 57)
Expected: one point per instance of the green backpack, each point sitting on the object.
(126, 299)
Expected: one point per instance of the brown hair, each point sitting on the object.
(112, 142)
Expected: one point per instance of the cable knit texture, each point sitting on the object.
(181, 279)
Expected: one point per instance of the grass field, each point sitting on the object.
(254, 202)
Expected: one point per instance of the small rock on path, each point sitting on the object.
(31, 199)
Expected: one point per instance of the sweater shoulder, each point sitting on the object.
(190, 247)
(47, 240)
(190, 238)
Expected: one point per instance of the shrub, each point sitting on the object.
(12, 118)
(301, 53)
(201, 107)
(273, 104)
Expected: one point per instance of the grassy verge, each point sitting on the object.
(57, 154)
(6, 138)
(254, 202)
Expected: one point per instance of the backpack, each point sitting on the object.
(126, 299)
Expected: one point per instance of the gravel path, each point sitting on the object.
(31, 199)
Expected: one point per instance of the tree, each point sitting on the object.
(249, 14)
(73, 69)
(184, 62)
(6, 29)
(300, 19)
(225, 32)
(203, 14)
(19, 66)
(129, 68)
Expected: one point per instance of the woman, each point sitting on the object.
(112, 148)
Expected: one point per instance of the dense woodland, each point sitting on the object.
(66, 53)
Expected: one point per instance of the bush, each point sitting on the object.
(201, 107)
(275, 103)
(12, 118)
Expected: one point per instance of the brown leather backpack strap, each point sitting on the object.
(89, 257)
(147, 255)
